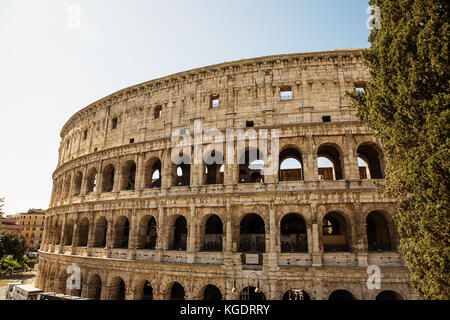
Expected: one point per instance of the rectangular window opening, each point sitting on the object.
(85, 133)
(286, 93)
(326, 119)
(114, 123)
(249, 124)
(158, 112)
(214, 104)
(131, 140)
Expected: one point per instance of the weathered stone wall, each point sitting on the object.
(248, 90)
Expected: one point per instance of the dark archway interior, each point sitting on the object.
(180, 234)
(251, 166)
(214, 163)
(129, 176)
(147, 291)
(108, 178)
(293, 234)
(100, 232)
(341, 295)
(248, 293)
(91, 181)
(77, 185)
(212, 293)
(153, 174)
(334, 233)
(177, 292)
(150, 234)
(95, 287)
(213, 234)
(372, 158)
(252, 234)
(296, 295)
(388, 295)
(83, 233)
(122, 230)
(378, 238)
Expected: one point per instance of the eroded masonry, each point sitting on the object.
(141, 227)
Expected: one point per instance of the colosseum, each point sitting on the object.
(140, 226)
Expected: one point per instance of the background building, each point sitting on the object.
(32, 225)
(10, 224)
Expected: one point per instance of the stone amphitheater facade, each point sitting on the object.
(139, 229)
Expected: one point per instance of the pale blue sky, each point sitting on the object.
(48, 72)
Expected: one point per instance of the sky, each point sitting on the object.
(58, 56)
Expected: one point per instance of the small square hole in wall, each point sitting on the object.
(114, 123)
(214, 104)
(95, 150)
(326, 119)
(249, 124)
(286, 93)
(131, 140)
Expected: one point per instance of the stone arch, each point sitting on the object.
(181, 173)
(214, 163)
(78, 179)
(129, 175)
(211, 292)
(108, 177)
(341, 294)
(100, 232)
(144, 290)
(378, 233)
(67, 184)
(121, 232)
(252, 233)
(153, 173)
(117, 288)
(68, 232)
(251, 166)
(296, 295)
(336, 232)
(91, 182)
(83, 232)
(58, 230)
(372, 155)
(175, 291)
(212, 233)
(94, 287)
(290, 164)
(334, 154)
(293, 233)
(148, 232)
(389, 295)
(249, 293)
(178, 233)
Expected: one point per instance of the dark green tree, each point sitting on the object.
(12, 244)
(406, 103)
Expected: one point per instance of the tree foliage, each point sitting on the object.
(406, 103)
(12, 244)
(2, 200)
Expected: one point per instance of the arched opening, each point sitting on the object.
(58, 229)
(147, 291)
(248, 293)
(180, 234)
(83, 233)
(334, 233)
(251, 166)
(252, 236)
(67, 186)
(293, 233)
(153, 173)
(100, 232)
(95, 287)
(91, 183)
(291, 165)
(129, 175)
(370, 154)
(213, 234)
(212, 293)
(118, 289)
(341, 295)
(182, 172)
(108, 178)
(214, 168)
(177, 292)
(329, 163)
(388, 295)
(377, 229)
(121, 233)
(147, 233)
(363, 169)
(77, 183)
(296, 294)
(68, 232)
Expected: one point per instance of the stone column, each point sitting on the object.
(317, 254)
(84, 181)
(62, 235)
(166, 169)
(140, 172)
(273, 256)
(132, 241)
(75, 236)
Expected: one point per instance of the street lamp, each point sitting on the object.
(246, 293)
(296, 294)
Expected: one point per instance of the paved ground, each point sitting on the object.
(24, 277)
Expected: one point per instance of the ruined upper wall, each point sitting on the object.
(248, 90)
